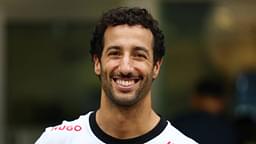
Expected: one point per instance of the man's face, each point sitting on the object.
(126, 67)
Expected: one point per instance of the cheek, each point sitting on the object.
(109, 66)
(144, 68)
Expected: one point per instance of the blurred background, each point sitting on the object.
(46, 74)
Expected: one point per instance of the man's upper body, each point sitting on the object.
(127, 49)
(207, 122)
(206, 128)
(85, 130)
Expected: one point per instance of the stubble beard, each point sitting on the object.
(140, 93)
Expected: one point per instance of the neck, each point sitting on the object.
(126, 122)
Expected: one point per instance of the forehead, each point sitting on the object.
(125, 35)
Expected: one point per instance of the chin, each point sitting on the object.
(125, 100)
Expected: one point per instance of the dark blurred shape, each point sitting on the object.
(247, 129)
(245, 107)
(245, 92)
(209, 87)
(206, 122)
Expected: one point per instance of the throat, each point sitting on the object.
(126, 126)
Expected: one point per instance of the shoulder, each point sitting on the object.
(176, 136)
(64, 132)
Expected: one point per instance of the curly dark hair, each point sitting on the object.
(130, 16)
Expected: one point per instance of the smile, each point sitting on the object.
(126, 82)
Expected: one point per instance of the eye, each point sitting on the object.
(114, 54)
(140, 55)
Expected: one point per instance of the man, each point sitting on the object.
(127, 48)
(207, 123)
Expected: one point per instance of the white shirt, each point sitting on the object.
(85, 130)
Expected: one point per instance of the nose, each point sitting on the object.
(125, 66)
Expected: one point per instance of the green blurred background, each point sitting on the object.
(46, 74)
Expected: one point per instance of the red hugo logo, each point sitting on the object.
(67, 128)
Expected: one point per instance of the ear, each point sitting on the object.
(156, 68)
(97, 66)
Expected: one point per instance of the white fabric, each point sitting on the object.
(79, 132)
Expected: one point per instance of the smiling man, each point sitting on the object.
(127, 49)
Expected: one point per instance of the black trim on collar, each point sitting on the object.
(99, 133)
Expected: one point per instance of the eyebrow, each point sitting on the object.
(112, 48)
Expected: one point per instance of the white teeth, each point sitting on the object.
(125, 82)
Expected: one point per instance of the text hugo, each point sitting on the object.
(67, 128)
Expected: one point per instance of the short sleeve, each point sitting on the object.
(42, 139)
